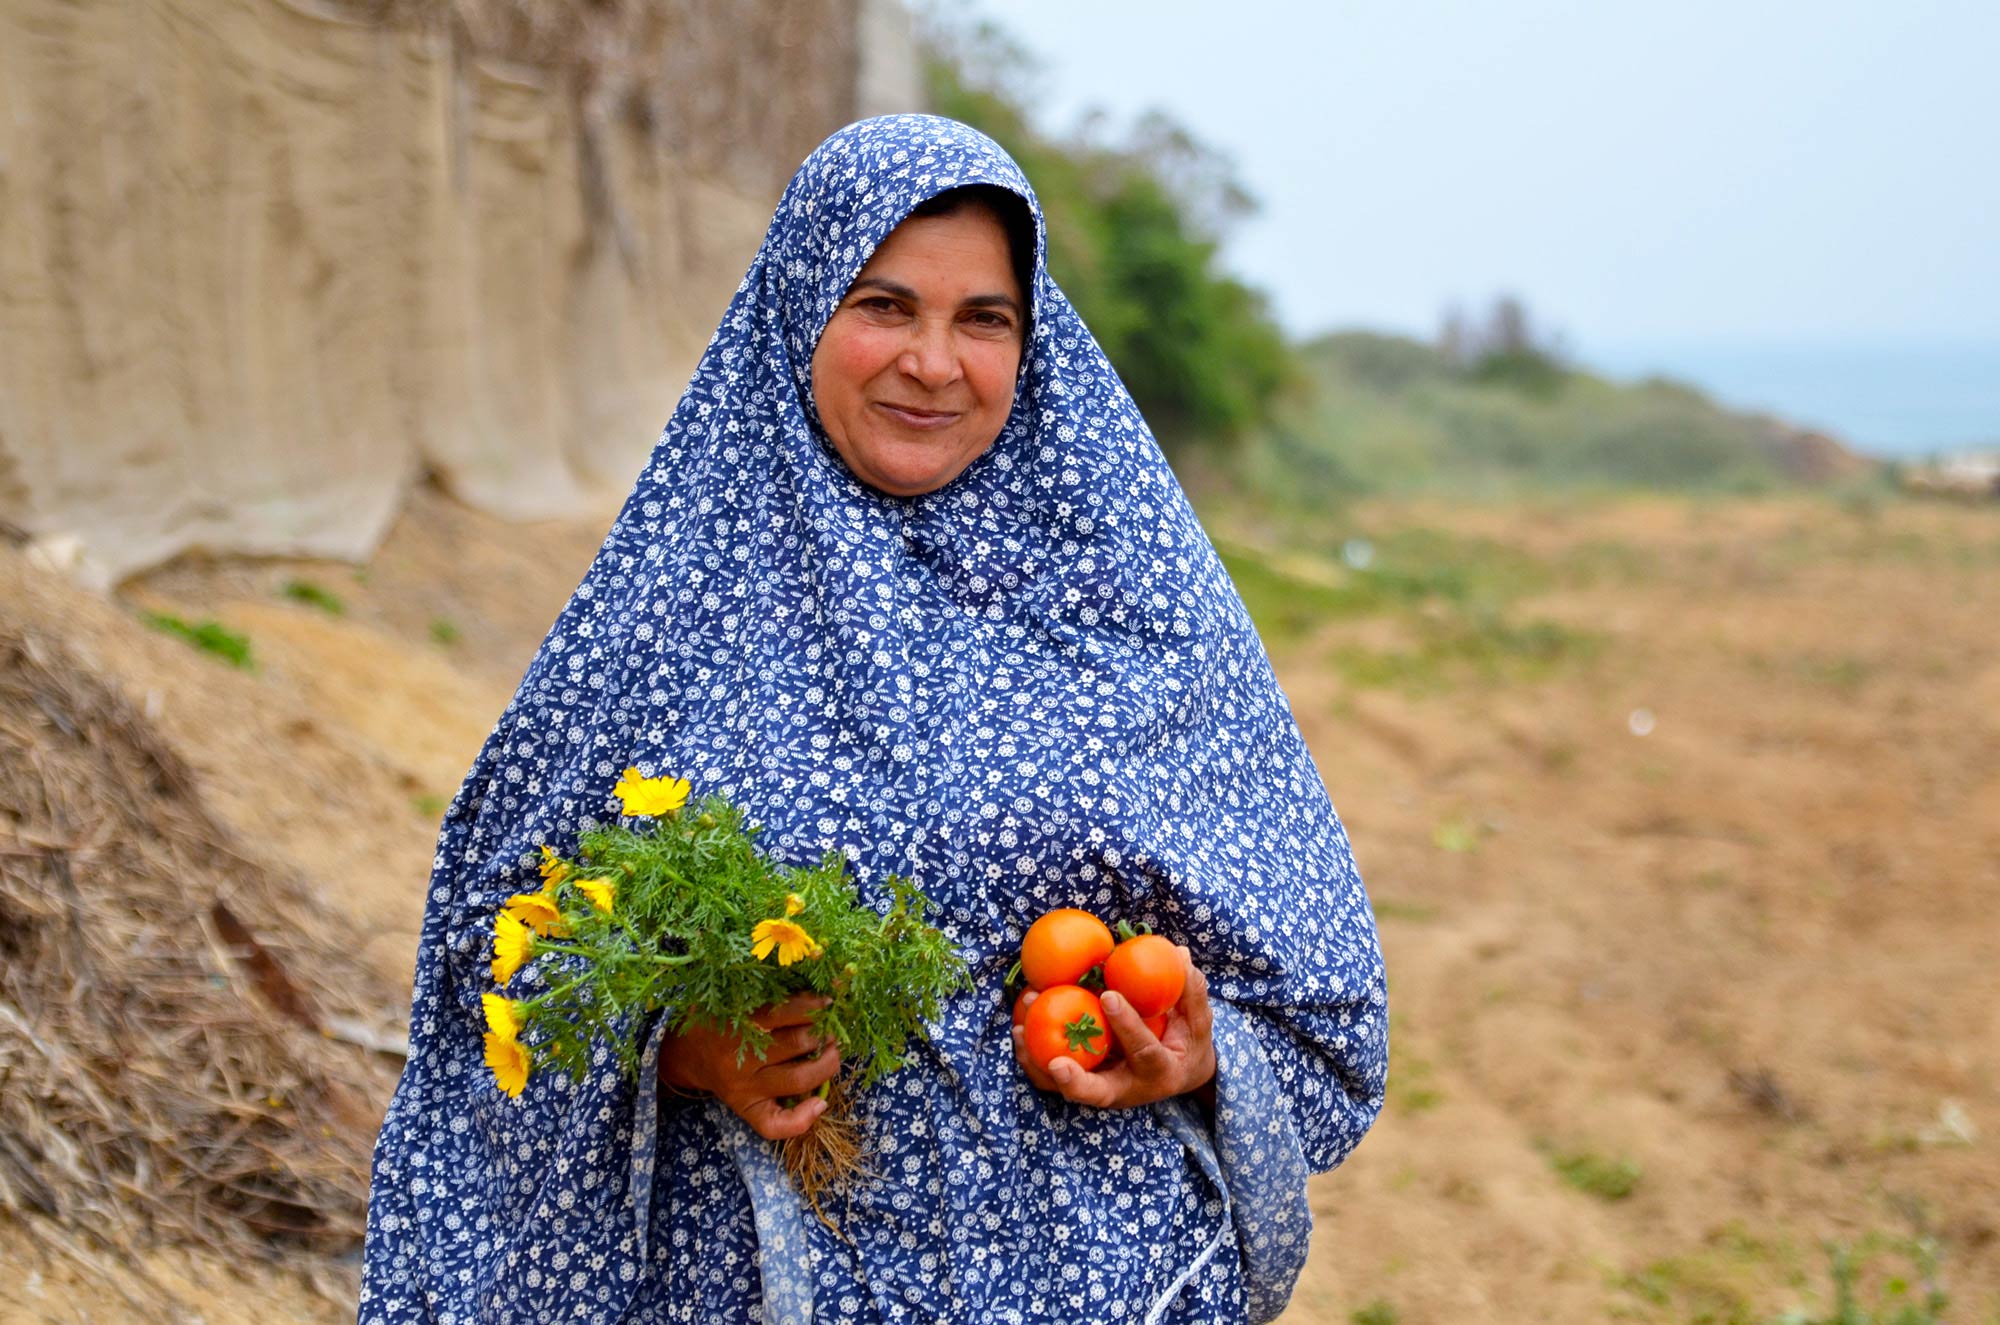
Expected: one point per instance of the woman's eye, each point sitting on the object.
(988, 321)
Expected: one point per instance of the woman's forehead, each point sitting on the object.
(855, 189)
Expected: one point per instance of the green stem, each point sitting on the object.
(654, 959)
(557, 992)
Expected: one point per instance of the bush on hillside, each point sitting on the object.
(1133, 233)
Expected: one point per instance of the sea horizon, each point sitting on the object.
(1894, 399)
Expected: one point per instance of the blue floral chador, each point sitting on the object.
(1034, 687)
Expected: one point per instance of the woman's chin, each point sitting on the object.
(911, 469)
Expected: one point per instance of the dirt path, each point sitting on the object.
(1751, 952)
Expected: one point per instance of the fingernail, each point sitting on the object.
(1112, 1001)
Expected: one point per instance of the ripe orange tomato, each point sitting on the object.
(1061, 946)
(1148, 971)
(1158, 1026)
(1067, 1021)
(1021, 1012)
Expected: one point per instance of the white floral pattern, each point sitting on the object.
(1035, 687)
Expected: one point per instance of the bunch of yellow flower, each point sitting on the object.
(679, 912)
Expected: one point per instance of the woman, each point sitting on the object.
(907, 577)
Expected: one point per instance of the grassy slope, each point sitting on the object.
(1381, 414)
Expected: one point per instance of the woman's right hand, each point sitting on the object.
(794, 1064)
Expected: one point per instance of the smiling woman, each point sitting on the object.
(914, 375)
(909, 581)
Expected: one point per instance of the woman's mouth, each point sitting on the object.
(924, 420)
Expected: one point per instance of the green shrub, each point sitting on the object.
(1134, 229)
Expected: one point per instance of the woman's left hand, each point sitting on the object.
(1154, 1067)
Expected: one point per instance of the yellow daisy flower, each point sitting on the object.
(599, 891)
(513, 944)
(539, 912)
(650, 796)
(794, 904)
(503, 1016)
(791, 941)
(554, 870)
(508, 1058)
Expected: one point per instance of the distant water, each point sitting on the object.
(1892, 399)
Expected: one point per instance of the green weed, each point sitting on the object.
(1702, 1298)
(1864, 1294)
(1482, 645)
(1715, 1284)
(313, 595)
(1389, 908)
(430, 805)
(1411, 1088)
(444, 632)
(1378, 1312)
(1460, 836)
(208, 636)
(1608, 1179)
(1452, 592)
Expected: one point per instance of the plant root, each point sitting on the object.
(826, 1160)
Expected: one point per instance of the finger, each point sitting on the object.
(1126, 1023)
(1147, 1057)
(794, 1042)
(1199, 1062)
(1043, 1078)
(794, 1011)
(801, 1076)
(773, 1122)
(1195, 1007)
(1102, 1089)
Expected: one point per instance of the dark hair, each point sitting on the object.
(1007, 207)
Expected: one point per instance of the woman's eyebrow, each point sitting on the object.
(901, 291)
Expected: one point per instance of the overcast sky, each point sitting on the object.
(1698, 170)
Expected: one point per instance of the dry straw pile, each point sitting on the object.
(166, 1068)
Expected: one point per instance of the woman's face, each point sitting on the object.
(914, 374)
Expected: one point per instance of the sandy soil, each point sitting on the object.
(1749, 953)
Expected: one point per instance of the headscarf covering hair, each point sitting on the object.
(1034, 687)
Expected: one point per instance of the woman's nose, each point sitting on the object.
(930, 358)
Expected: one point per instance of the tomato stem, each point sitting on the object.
(1081, 1032)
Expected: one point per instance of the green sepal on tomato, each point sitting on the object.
(1065, 1021)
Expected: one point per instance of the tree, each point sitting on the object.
(1134, 228)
